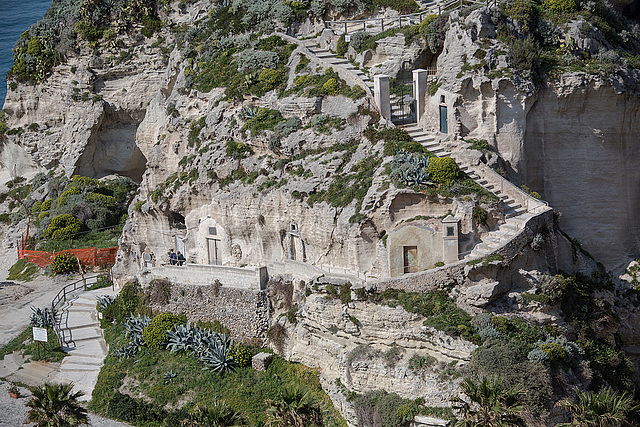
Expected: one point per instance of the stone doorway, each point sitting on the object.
(213, 247)
(410, 257)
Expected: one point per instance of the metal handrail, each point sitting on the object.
(61, 296)
(443, 6)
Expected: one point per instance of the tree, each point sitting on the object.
(296, 407)
(604, 408)
(218, 415)
(56, 405)
(493, 404)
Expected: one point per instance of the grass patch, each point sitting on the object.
(24, 343)
(23, 270)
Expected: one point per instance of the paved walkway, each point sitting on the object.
(83, 341)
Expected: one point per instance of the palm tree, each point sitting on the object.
(604, 408)
(296, 408)
(218, 415)
(54, 405)
(493, 404)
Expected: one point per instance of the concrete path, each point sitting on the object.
(83, 341)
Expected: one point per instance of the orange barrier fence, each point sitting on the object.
(87, 256)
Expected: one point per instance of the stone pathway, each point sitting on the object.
(83, 341)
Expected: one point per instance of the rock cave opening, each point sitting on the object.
(112, 148)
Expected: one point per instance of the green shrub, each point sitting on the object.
(237, 150)
(130, 297)
(561, 6)
(443, 170)
(480, 215)
(155, 335)
(525, 56)
(242, 356)
(63, 227)
(264, 119)
(270, 79)
(64, 263)
(331, 87)
(23, 270)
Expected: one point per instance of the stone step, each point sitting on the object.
(72, 367)
(97, 360)
(80, 334)
(74, 327)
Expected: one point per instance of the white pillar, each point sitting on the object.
(420, 91)
(381, 94)
(450, 239)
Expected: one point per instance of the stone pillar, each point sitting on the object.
(420, 91)
(381, 94)
(450, 226)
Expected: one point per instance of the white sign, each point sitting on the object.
(347, 38)
(40, 334)
(99, 315)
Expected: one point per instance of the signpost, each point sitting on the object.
(40, 337)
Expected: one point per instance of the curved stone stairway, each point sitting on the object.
(516, 215)
(83, 341)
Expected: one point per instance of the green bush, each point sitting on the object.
(443, 170)
(242, 356)
(130, 297)
(64, 263)
(155, 335)
(480, 215)
(561, 6)
(331, 87)
(270, 79)
(525, 56)
(237, 150)
(63, 227)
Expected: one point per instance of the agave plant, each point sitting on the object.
(105, 301)
(219, 359)
(182, 337)
(169, 376)
(134, 327)
(126, 351)
(41, 318)
(411, 169)
(248, 112)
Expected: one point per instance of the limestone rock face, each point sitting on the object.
(572, 140)
(83, 119)
(370, 346)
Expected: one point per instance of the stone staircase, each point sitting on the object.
(331, 59)
(516, 215)
(83, 341)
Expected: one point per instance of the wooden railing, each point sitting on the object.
(61, 298)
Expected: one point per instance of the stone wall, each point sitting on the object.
(245, 312)
(197, 274)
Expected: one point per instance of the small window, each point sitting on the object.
(450, 232)
(213, 231)
(293, 227)
(442, 100)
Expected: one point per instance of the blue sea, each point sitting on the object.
(17, 16)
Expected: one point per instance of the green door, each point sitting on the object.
(443, 119)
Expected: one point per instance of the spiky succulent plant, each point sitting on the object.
(41, 318)
(105, 301)
(134, 327)
(125, 351)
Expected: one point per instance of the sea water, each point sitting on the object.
(15, 18)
